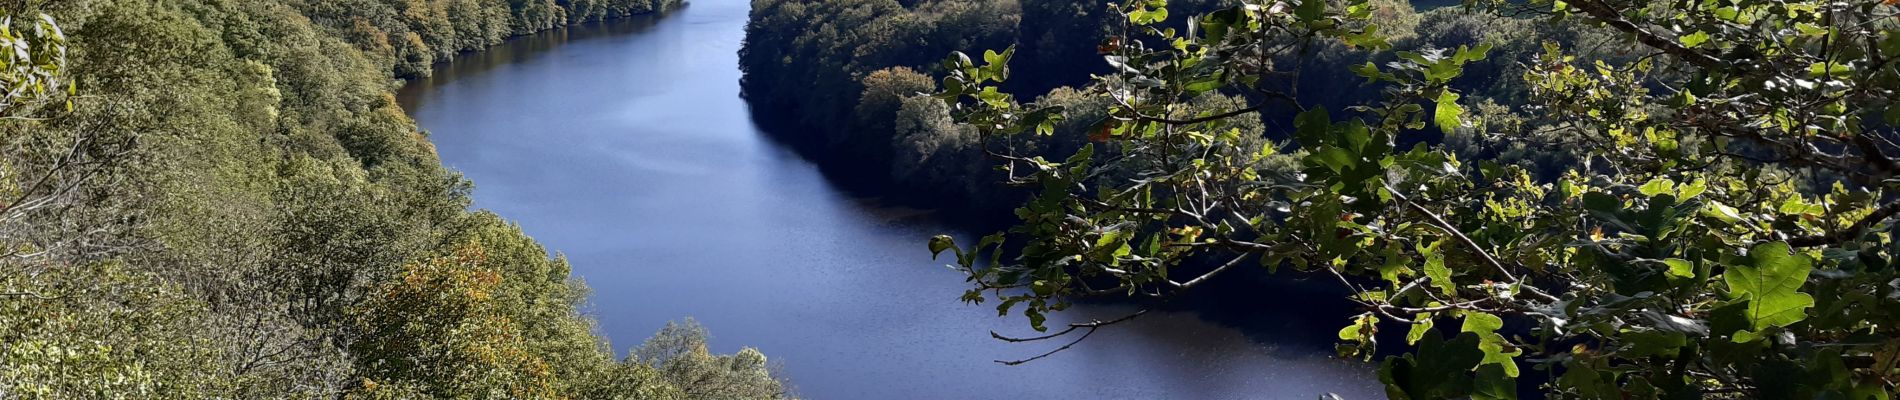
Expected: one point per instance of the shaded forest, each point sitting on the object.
(873, 61)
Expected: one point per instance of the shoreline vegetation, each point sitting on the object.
(222, 199)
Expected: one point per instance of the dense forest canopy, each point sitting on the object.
(1597, 199)
(221, 199)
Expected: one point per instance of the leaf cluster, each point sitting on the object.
(1723, 227)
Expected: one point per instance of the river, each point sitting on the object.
(626, 147)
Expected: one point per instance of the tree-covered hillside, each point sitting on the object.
(221, 199)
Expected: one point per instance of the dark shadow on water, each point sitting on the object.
(523, 48)
(1288, 309)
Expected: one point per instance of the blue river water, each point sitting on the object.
(626, 147)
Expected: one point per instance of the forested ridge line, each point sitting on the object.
(222, 199)
(413, 35)
(871, 60)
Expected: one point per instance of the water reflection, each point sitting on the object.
(518, 50)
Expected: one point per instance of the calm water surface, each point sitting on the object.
(626, 147)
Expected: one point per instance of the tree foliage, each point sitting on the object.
(415, 34)
(828, 75)
(1720, 225)
(680, 355)
(222, 199)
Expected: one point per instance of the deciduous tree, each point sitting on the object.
(1726, 227)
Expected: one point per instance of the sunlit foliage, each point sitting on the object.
(1720, 224)
(412, 35)
(222, 199)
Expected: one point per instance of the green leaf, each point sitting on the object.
(1602, 202)
(1683, 99)
(1798, 206)
(1647, 343)
(1587, 383)
(1146, 16)
(1396, 264)
(1680, 268)
(1419, 329)
(1770, 285)
(1036, 319)
(1217, 24)
(940, 243)
(1694, 39)
(1658, 186)
(1689, 190)
(1354, 134)
(1439, 369)
(1334, 158)
(1829, 69)
(1313, 127)
(1868, 390)
(1449, 113)
(1368, 38)
(1361, 334)
(1481, 323)
(1042, 287)
(1311, 10)
(1371, 72)
(1490, 342)
(1469, 54)
(1721, 212)
(1436, 270)
(1493, 382)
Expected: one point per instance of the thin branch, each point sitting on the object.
(1210, 274)
(1089, 327)
(1871, 151)
(1614, 18)
(1072, 343)
(1215, 117)
(1466, 240)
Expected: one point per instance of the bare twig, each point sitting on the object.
(1087, 327)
